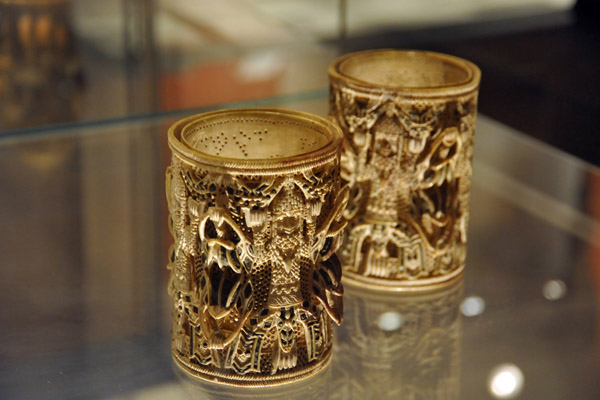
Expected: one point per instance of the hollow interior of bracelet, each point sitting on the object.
(405, 69)
(267, 136)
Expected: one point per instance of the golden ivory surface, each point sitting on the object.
(408, 119)
(256, 216)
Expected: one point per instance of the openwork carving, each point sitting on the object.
(254, 278)
(407, 159)
(404, 346)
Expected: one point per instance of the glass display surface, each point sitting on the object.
(85, 311)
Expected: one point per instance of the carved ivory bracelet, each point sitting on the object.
(256, 216)
(408, 120)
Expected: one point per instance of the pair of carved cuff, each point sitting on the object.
(260, 200)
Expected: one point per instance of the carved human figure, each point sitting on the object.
(407, 156)
(254, 276)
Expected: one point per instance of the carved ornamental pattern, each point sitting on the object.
(408, 164)
(254, 280)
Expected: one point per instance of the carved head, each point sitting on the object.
(285, 327)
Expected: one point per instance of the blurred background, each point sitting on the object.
(83, 60)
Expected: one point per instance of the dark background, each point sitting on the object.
(540, 75)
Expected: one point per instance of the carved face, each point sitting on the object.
(285, 326)
(386, 145)
(288, 236)
(288, 225)
(386, 157)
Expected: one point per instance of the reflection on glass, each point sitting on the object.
(40, 70)
(505, 381)
(472, 306)
(314, 387)
(554, 289)
(405, 345)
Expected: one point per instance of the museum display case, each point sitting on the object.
(86, 312)
(85, 238)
